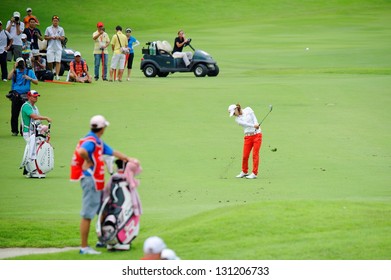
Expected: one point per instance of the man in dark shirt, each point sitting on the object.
(33, 34)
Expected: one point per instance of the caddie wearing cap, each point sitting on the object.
(30, 120)
(252, 138)
(29, 113)
(88, 166)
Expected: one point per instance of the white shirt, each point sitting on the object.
(17, 38)
(54, 45)
(3, 39)
(247, 120)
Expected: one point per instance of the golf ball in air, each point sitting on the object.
(307, 49)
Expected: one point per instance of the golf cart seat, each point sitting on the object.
(164, 47)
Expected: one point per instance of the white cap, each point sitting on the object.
(77, 54)
(17, 14)
(154, 245)
(231, 109)
(19, 59)
(98, 121)
(24, 36)
(168, 254)
(29, 9)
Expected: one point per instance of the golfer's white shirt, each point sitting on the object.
(247, 120)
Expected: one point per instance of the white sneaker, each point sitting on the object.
(89, 251)
(241, 175)
(57, 78)
(4, 80)
(251, 176)
(128, 79)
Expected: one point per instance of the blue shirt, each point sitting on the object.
(89, 146)
(20, 84)
(131, 40)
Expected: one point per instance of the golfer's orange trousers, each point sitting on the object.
(252, 142)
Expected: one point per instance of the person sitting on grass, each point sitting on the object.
(78, 70)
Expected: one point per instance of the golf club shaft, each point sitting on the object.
(266, 116)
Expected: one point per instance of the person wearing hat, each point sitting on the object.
(33, 34)
(28, 17)
(15, 27)
(88, 166)
(5, 45)
(119, 45)
(153, 247)
(26, 49)
(38, 64)
(132, 42)
(54, 34)
(78, 70)
(252, 138)
(101, 42)
(29, 113)
(21, 82)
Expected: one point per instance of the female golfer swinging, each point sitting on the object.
(252, 138)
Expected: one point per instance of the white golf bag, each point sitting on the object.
(38, 158)
(118, 221)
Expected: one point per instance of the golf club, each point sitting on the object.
(270, 109)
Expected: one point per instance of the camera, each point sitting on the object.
(16, 19)
(29, 64)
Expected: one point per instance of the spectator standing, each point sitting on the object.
(5, 45)
(21, 82)
(88, 167)
(33, 34)
(132, 42)
(78, 70)
(119, 45)
(15, 27)
(28, 17)
(102, 41)
(54, 34)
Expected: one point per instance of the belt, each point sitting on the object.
(251, 133)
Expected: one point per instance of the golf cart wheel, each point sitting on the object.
(150, 71)
(200, 70)
(163, 74)
(214, 72)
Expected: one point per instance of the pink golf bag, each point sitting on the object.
(119, 216)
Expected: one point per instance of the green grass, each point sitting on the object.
(325, 193)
